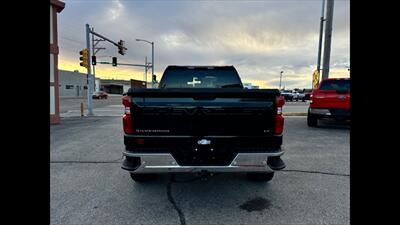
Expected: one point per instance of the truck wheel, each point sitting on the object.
(260, 176)
(312, 121)
(137, 177)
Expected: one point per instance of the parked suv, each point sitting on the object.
(302, 96)
(330, 100)
(287, 94)
(295, 95)
(307, 95)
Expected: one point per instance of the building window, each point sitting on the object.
(69, 86)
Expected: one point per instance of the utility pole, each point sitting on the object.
(94, 52)
(89, 73)
(145, 70)
(328, 39)
(94, 70)
(321, 30)
(280, 80)
(152, 65)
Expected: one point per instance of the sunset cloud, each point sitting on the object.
(260, 38)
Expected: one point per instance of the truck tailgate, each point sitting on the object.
(205, 112)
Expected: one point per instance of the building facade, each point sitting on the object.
(97, 84)
(72, 84)
(55, 7)
(115, 86)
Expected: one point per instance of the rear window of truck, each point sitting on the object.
(200, 77)
(335, 85)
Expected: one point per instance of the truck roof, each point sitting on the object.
(342, 78)
(194, 66)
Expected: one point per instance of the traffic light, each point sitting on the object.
(114, 61)
(121, 47)
(84, 58)
(154, 78)
(94, 60)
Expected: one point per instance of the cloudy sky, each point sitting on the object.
(260, 38)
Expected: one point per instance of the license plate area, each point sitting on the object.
(203, 155)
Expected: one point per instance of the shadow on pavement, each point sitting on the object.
(218, 190)
(332, 124)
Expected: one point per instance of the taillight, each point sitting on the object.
(127, 122)
(279, 120)
(127, 118)
(126, 101)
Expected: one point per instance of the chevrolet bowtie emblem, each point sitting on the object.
(204, 142)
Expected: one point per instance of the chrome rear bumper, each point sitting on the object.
(165, 163)
(325, 112)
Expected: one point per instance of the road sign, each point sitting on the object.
(315, 80)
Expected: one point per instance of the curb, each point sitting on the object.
(295, 114)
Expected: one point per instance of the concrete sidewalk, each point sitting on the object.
(110, 110)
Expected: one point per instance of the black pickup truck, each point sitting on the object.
(201, 119)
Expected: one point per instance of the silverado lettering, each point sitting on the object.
(151, 131)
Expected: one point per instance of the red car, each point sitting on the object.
(330, 100)
(100, 95)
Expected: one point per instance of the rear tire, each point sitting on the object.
(312, 121)
(143, 177)
(260, 176)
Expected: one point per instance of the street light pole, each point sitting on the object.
(152, 58)
(280, 80)
(145, 70)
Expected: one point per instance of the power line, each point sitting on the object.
(69, 39)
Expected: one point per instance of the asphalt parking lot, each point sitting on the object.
(88, 185)
(296, 107)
